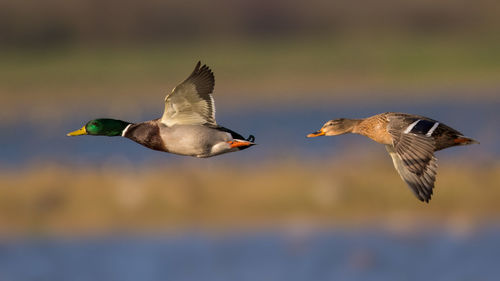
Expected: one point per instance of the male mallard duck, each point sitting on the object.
(187, 126)
(410, 140)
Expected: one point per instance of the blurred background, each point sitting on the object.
(290, 208)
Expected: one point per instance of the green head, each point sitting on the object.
(102, 127)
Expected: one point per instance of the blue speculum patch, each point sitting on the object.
(422, 127)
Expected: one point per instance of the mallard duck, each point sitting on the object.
(187, 126)
(410, 140)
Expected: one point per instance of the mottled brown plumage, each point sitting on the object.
(410, 140)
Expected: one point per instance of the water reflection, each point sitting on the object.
(369, 254)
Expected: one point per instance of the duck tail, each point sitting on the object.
(461, 140)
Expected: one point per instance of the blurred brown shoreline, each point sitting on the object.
(53, 199)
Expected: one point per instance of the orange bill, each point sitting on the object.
(240, 143)
(316, 134)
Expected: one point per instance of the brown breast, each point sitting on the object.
(147, 134)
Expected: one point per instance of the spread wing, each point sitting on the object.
(413, 158)
(191, 102)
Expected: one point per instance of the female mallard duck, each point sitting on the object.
(187, 126)
(410, 140)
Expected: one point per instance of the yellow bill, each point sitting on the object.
(81, 131)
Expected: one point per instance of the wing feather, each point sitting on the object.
(413, 158)
(422, 185)
(191, 102)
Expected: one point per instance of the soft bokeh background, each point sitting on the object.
(290, 208)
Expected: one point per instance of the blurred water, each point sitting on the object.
(368, 254)
(280, 132)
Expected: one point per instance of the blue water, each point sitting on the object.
(367, 254)
(279, 131)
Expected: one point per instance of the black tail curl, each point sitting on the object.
(250, 138)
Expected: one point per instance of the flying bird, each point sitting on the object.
(187, 127)
(411, 141)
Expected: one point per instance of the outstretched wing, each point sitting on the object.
(191, 102)
(413, 158)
